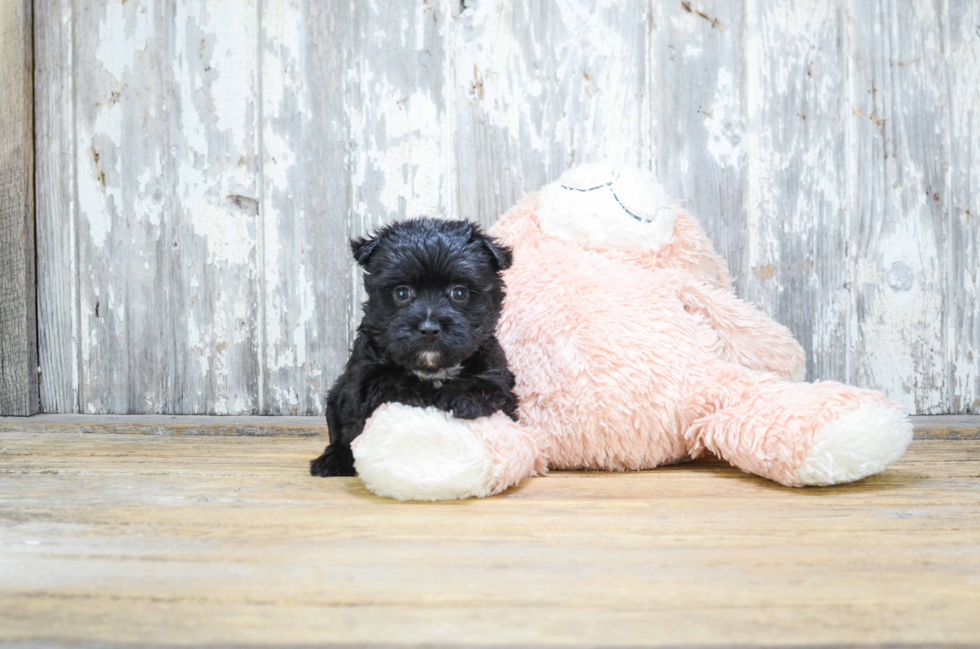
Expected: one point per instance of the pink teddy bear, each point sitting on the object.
(631, 351)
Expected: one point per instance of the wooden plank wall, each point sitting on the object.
(18, 297)
(201, 164)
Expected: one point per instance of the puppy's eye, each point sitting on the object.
(403, 294)
(459, 294)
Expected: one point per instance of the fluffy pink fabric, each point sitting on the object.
(631, 360)
(517, 452)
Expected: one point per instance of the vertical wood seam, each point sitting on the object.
(747, 106)
(948, 213)
(174, 399)
(33, 386)
(18, 285)
(76, 325)
(455, 16)
(947, 321)
(849, 139)
(650, 44)
(260, 216)
(349, 154)
(32, 175)
(351, 307)
(449, 120)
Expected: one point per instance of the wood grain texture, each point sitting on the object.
(795, 265)
(963, 235)
(701, 126)
(201, 540)
(306, 272)
(18, 288)
(401, 118)
(57, 270)
(951, 427)
(400, 112)
(541, 87)
(213, 252)
(125, 193)
(166, 159)
(899, 161)
(200, 264)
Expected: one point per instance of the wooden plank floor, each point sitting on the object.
(181, 539)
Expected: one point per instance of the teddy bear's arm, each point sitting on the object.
(749, 337)
(413, 453)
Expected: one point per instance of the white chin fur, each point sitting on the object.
(603, 206)
(859, 443)
(411, 453)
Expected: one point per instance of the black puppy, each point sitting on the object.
(427, 337)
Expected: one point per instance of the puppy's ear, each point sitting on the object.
(501, 254)
(363, 248)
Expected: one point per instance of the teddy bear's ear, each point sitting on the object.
(364, 247)
(502, 255)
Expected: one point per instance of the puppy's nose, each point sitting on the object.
(429, 329)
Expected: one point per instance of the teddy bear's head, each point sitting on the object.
(602, 207)
(617, 211)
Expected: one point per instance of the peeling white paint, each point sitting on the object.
(226, 231)
(405, 161)
(723, 124)
(692, 51)
(228, 76)
(122, 33)
(501, 78)
(149, 203)
(99, 195)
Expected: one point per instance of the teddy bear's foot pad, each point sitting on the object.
(859, 443)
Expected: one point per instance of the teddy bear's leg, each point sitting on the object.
(797, 434)
(412, 453)
(748, 336)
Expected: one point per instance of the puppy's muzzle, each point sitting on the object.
(430, 359)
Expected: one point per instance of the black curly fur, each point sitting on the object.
(400, 345)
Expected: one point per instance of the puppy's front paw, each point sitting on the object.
(464, 406)
(336, 461)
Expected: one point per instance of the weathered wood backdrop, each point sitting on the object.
(201, 163)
